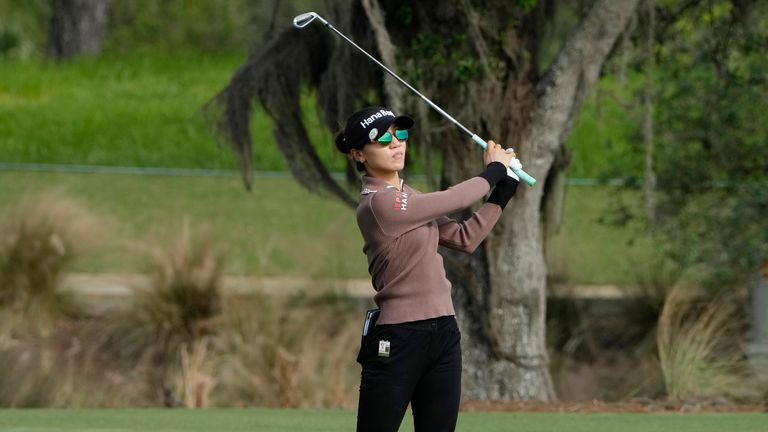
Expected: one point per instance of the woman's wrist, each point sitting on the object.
(503, 192)
(493, 173)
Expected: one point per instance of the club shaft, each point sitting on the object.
(402, 81)
(520, 173)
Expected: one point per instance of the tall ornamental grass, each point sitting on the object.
(700, 347)
(166, 333)
(39, 239)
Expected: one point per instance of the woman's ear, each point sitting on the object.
(357, 155)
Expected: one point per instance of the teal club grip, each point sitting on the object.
(524, 176)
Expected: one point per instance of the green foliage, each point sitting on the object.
(23, 28)
(527, 5)
(404, 14)
(431, 53)
(711, 160)
(722, 234)
(206, 25)
(146, 25)
(712, 154)
(8, 41)
(604, 137)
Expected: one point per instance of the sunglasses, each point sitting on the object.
(401, 134)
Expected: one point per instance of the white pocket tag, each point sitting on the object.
(383, 348)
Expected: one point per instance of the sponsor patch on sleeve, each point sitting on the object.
(401, 201)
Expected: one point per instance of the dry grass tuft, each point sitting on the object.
(291, 352)
(169, 329)
(185, 298)
(181, 342)
(41, 237)
(699, 346)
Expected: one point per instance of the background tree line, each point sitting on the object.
(61, 28)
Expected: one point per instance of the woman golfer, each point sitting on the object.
(413, 354)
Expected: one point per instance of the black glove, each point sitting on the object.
(494, 172)
(503, 192)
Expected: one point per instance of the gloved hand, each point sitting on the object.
(504, 191)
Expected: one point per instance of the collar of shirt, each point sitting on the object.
(372, 184)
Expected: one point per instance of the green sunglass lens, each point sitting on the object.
(386, 138)
(401, 134)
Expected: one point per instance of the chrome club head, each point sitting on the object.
(302, 20)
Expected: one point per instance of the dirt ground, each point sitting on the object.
(640, 406)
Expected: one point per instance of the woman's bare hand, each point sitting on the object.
(496, 153)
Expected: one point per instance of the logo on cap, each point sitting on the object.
(377, 115)
(372, 134)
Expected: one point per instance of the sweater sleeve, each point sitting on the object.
(467, 235)
(397, 212)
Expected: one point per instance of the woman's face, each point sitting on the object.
(382, 158)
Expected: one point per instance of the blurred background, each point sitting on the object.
(136, 270)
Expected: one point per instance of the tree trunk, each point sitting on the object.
(77, 27)
(554, 203)
(392, 87)
(500, 291)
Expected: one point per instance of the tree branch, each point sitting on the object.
(392, 87)
(577, 67)
(275, 74)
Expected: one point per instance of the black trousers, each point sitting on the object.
(423, 368)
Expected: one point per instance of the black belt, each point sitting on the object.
(429, 324)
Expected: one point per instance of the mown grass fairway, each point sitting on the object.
(130, 110)
(280, 229)
(266, 420)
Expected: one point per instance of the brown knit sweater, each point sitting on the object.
(402, 229)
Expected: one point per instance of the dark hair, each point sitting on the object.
(340, 144)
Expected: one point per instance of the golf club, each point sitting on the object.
(515, 167)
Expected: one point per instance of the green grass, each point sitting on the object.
(280, 228)
(142, 109)
(133, 110)
(266, 420)
(594, 251)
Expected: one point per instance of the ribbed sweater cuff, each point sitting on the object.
(503, 192)
(494, 172)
